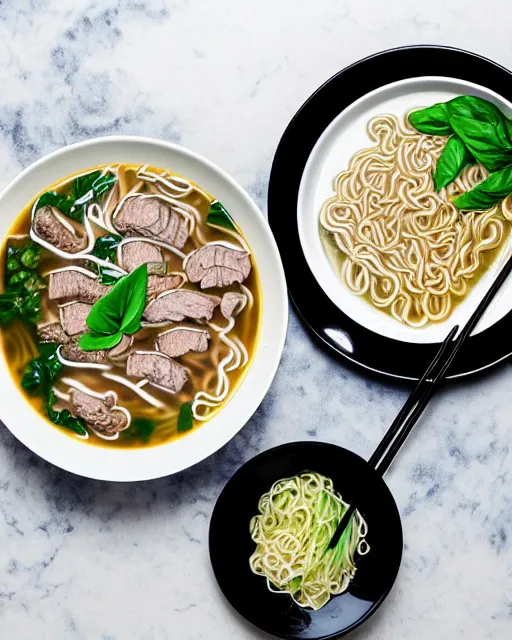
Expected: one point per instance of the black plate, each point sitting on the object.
(342, 334)
(231, 544)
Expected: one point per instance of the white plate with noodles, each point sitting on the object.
(384, 242)
(143, 308)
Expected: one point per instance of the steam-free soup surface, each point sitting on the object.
(196, 383)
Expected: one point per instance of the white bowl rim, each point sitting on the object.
(126, 465)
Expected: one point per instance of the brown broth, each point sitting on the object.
(247, 328)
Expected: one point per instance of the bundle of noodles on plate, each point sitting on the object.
(297, 520)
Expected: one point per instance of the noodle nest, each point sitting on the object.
(297, 520)
(405, 246)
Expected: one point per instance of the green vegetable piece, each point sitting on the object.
(30, 258)
(218, 216)
(105, 247)
(432, 120)
(488, 193)
(484, 130)
(143, 428)
(19, 277)
(54, 199)
(453, 160)
(185, 418)
(13, 264)
(95, 342)
(41, 372)
(118, 312)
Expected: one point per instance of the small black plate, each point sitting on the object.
(231, 544)
(333, 327)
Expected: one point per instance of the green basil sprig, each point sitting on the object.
(488, 193)
(218, 216)
(118, 312)
(433, 120)
(84, 190)
(453, 160)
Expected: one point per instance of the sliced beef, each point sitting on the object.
(159, 284)
(52, 332)
(232, 303)
(133, 254)
(48, 227)
(215, 265)
(99, 413)
(71, 351)
(121, 349)
(76, 286)
(152, 218)
(73, 317)
(180, 304)
(179, 341)
(158, 368)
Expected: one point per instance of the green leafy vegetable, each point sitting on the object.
(84, 189)
(105, 247)
(141, 428)
(22, 297)
(488, 193)
(484, 130)
(42, 371)
(219, 217)
(117, 313)
(453, 160)
(185, 418)
(38, 379)
(432, 120)
(64, 418)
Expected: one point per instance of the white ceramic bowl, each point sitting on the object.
(153, 462)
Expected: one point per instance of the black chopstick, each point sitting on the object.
(416, 403)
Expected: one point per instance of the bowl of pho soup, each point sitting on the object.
(143, 308)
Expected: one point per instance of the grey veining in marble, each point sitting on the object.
(87, 560)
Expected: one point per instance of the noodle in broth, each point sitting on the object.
(406, 248)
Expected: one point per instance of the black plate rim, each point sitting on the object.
(316, 444)
(484, 350)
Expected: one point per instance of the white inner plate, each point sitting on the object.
(113, 463)
(339, 142)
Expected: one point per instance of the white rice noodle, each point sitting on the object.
(81, 365)
(18, 236)
(95, 215)
(79, 386)
(178, 187)
(160, 243)
(248, 293)
(236, 358)
(136, 388)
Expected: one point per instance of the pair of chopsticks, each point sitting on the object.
(416, 403)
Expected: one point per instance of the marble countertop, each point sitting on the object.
(89, 560)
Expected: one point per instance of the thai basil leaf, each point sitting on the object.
(108, 276)
(218, 216)
(488, 193)
(105, 247)
(64, 418)
(432, 120)
(185, 418)
(453, 160)
(41, 372)
(95, 342)
(143, 429)
(118, 312)
(483, 129)
(53, 199)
